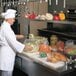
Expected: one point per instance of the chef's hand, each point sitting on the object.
(28, 48)
(19, 36)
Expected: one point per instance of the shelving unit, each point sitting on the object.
(61, 30)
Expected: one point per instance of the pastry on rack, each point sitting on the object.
(56, 57)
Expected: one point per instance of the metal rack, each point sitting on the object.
(18, 2)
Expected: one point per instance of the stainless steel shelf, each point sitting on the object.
(61, 22)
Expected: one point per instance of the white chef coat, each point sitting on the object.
(10, 47)
(1, 41)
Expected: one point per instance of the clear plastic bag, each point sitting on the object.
(35, 42)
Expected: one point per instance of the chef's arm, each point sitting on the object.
(16, 45)
(2, 43)
(13, 42)
(19, 36)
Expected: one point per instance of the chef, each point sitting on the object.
(10, 44)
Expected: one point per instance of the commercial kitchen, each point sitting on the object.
(49, 27)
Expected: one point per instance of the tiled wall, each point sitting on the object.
(38, 8)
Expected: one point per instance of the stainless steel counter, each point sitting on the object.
(33, 65)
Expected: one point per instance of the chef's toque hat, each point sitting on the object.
(10, 13)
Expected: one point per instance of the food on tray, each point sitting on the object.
(60, 56)
(60, 45)
(54, 47)
(53, 39)
(44, 48)
(43, 54)
(56, 57)
(32, 43)
(28, 47)
(38, 39)
(31, 36)
(68, 49)
(73, 52)
(33, 46)
(52, 59)
(56, 44)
